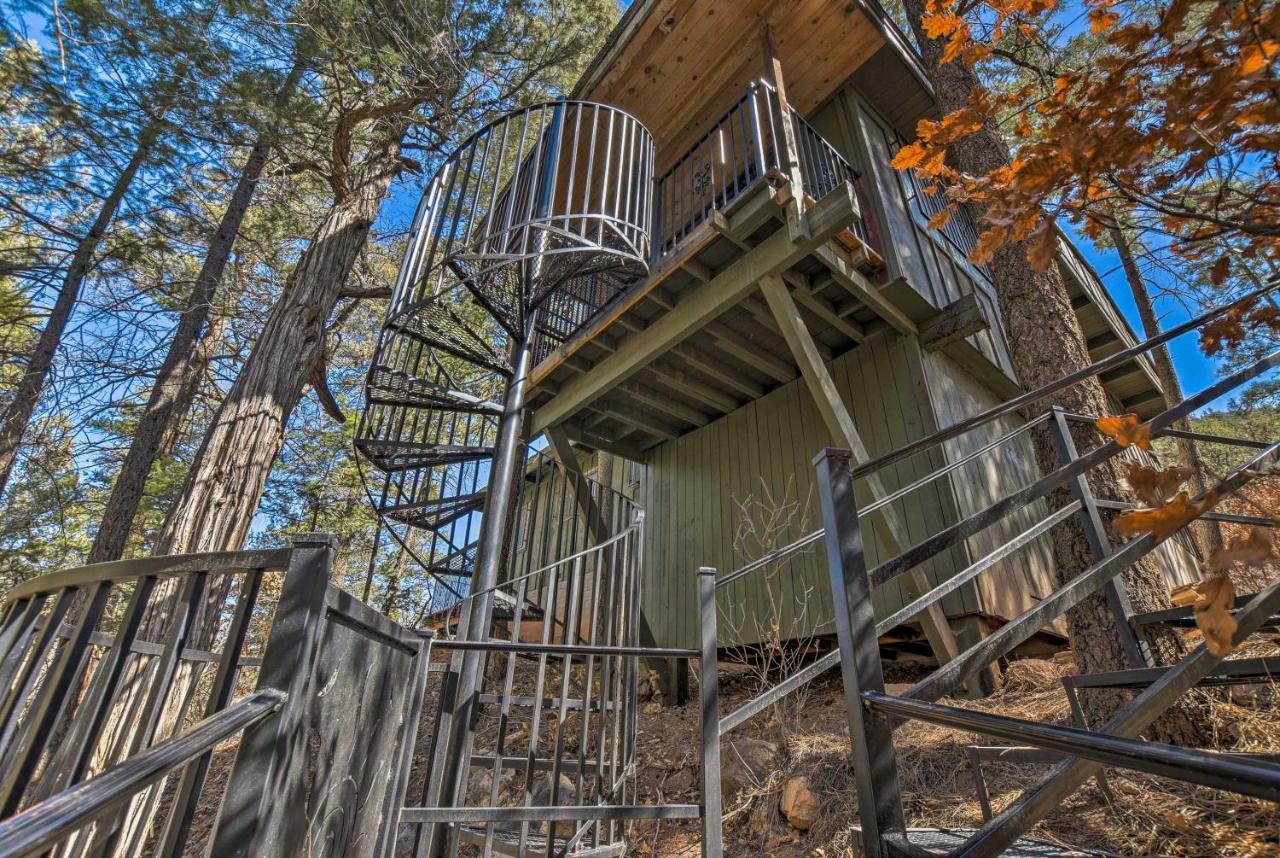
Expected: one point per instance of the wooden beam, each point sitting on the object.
(840, 422)
(574, 431)
(750, 353)
(846, 275)
(721, 372)
(822, 308)
(640, 419)
(680, 380)
(795, 179)
(701, 304)
(665, 403)
(560, 446)
(960, 319)
(672, 262)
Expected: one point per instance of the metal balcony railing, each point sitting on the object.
(743, 148)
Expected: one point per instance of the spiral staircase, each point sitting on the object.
(531, 226)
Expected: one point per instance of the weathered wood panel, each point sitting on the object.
(1016, 583)
(721, 495)
(926, 260)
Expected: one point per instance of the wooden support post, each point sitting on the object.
(790, 144)
(560, 447)
(840, 422)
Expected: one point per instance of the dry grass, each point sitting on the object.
(1150, 816)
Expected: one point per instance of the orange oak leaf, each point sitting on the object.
(909, 156)
(1219, 270)
(1127, 430)
(1226, 331)
(1213, 614)
(1155, 487)
(1253, 549)
(1101, 20)
(941, 218)
(1163, 521)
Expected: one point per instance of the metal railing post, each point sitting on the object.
(709, 681)
(874, 764)
(270, 766)
(1135, 650)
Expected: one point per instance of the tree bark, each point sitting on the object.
(220, 495)
(178, 379)
(1188, 452)
(14, 420)
(1045, 342)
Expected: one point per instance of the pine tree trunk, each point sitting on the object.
(178, 379)
(14, 420)
(1045, 343)
(222, 489)
(1188, 452)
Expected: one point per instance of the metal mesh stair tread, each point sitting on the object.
(436, 512)
(1026, 847)
(438, 326)
(392, 387)
(392, 455)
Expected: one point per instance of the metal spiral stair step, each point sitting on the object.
(388, 386)
(391, 456)
(435, 513)
(441, 328)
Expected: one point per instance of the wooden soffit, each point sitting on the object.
(678, 65)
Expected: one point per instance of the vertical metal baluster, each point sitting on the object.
(87, 727)
(756, 137)
(874, 763)
(21, 690)
(44, 709)
(16, 642)
(187, 794)
(573, 602)
(1135, 649)
(182, 621)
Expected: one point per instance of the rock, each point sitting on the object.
(540, 796)
(681, 781)
(800, 805)
(746, 762)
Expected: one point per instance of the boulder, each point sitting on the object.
(800, 805)
(745, 763)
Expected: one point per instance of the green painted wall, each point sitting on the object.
(722, 495)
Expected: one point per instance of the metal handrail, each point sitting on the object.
(43, 825)
(1005, 409)
(164, 566)
(1219, 771)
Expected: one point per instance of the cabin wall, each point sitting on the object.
(711, 494)
(923, 258)
(1018, 582)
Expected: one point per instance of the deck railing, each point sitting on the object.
(743, 148)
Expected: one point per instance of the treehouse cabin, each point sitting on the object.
(785, 248)
(721, 275)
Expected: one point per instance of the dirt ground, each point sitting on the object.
(1149, 816)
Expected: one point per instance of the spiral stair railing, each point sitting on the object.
(532, 224)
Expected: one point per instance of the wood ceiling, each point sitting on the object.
(687, 61)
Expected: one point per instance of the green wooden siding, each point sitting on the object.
(696, 486)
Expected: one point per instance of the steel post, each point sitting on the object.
(874, 765)
(1135, 650)
(709, 682)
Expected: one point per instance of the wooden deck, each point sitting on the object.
(696, 341)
